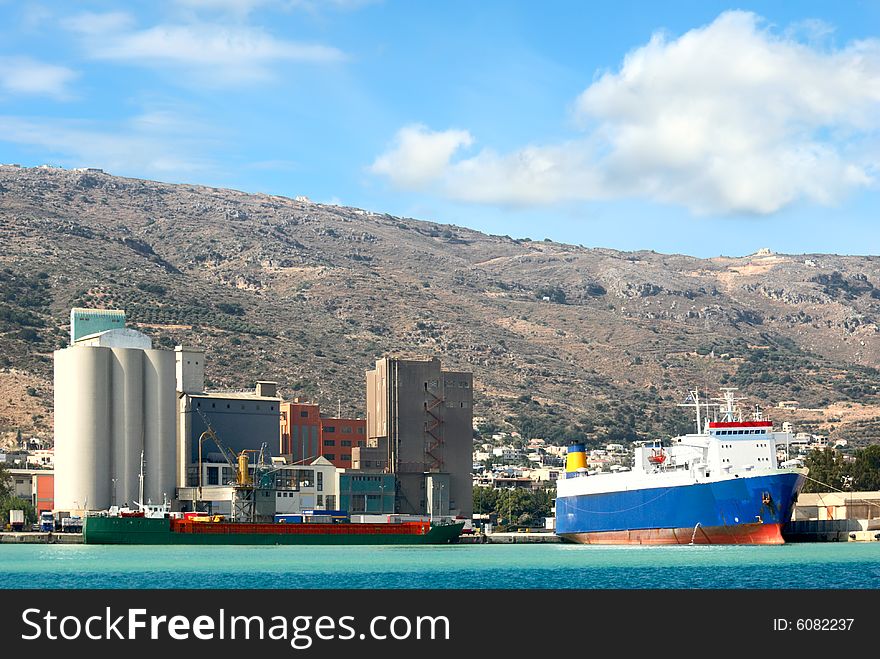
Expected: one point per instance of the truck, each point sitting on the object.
(72, 524)
(47, 521)
(16, 519)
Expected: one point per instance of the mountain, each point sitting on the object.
(564, 340)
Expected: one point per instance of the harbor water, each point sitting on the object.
(819, 565)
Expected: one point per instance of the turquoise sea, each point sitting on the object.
(821, 565)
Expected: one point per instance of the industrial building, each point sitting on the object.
(420, 428)
(292, 489)
(87, 322)
(114, 418)
(244, 420)
(36, 486)
(305, 434)
(366, 493)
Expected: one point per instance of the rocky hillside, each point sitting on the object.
(563, 340)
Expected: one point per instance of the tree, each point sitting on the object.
(14, 503)
(515, 506)
(865, 471)
(6, 484)
(827, 468)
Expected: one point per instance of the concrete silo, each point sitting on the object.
(160, 428)
(113, 404)
(127, 425)
(82, 428)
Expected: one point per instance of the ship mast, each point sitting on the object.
(729, 409)
(693, 400)
(141, 483)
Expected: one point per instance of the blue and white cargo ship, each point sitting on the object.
(719, 485)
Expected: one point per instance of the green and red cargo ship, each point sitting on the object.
(139, 530)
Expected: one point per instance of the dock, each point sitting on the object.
(516, 537)
(831, 530)
(40, 538)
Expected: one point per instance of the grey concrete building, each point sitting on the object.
(241, 419)
(422, 416)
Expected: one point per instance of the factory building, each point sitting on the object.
(420, 424)
(243, 420)
(305, 434)
(114, 415)
(36, 486)
(362, 493)
(292, 488)
(86, 322)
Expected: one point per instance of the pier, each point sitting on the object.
(518, 537)
(41, 538)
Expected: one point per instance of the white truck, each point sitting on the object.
(16, 519)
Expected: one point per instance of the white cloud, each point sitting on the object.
(94, 24)
(210, 53)
(238, 7)
(727, 118)
(419, 155)
(24, 75)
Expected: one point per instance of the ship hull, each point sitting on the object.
(146, 531)
(748, 510)
(740, 534)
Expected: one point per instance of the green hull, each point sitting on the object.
(144, 531)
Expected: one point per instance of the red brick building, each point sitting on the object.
(305, 434)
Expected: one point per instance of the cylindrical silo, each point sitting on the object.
(82, 428)
(127, 424)
(160, 433)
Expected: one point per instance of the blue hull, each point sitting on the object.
(758, 500)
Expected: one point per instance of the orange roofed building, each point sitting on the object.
(305, 434)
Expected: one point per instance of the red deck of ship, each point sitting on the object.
(305, 528)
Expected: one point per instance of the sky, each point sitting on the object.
(691, 127)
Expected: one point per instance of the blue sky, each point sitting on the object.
(692, 127)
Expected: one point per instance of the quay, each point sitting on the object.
(40, 538)
(517, 537)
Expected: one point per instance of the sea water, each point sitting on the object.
(821, 565)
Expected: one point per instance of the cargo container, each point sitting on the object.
(16, 519)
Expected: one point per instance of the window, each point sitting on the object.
(330, 456)
(329, 428)
(330, 500)
(303, 414)
(345, 457)
(320, 501)
(320, 481)
(346, 429)
(361, 442)
(360, 430)
(345, 442)
(329, 442)
(213, 476)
